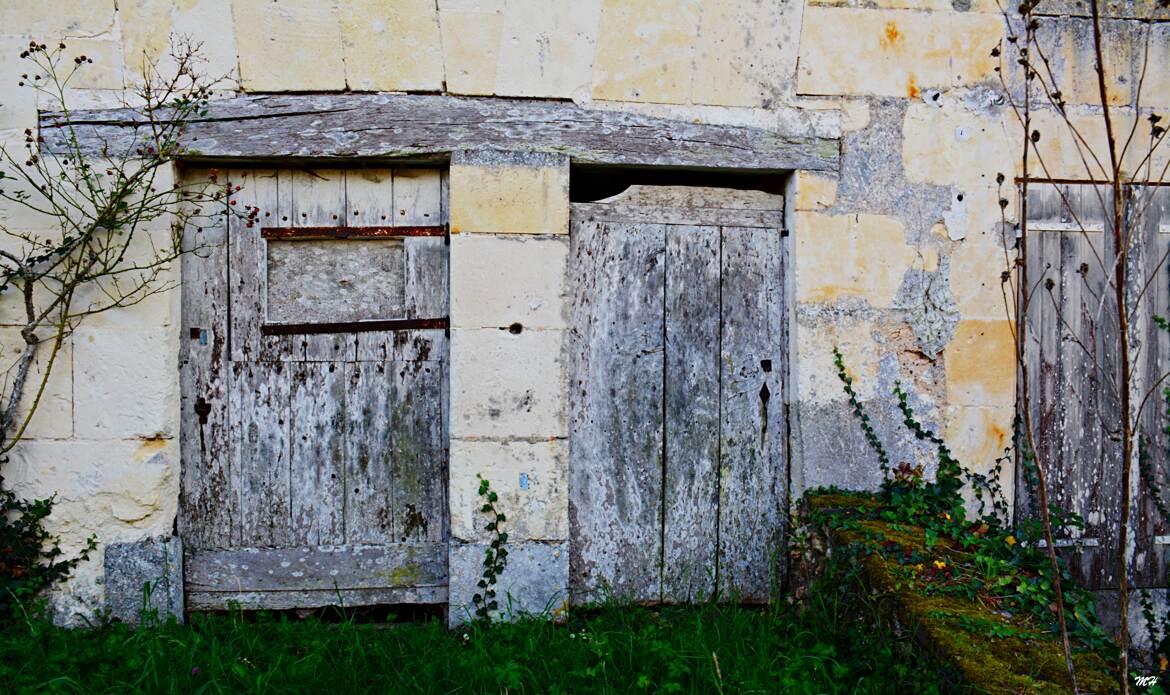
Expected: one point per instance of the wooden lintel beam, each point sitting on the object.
(405, 126)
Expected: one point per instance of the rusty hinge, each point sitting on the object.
(351, 232)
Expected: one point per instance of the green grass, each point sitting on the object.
(613, 649)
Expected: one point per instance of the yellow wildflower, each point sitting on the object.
(940, 564)
(1010, 540)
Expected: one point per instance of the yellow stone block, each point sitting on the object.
(646, 50)
(293, 45)
(976, 271)
(981, 364)
(862, 256)
(950, 144)
(978, 436)
(547, 48)
(471, 48)
(509, 199)
(391, 46)
(53, 418)
(50, 20)
(892, 52)
(105, 72)
(816, 377)
(745, 51)
(148, 25)
(815, 192)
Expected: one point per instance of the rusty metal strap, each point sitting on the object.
(351, 232)
(353, 326)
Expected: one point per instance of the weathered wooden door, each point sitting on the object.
(314, 367)
(678, 435)
(1072, 356)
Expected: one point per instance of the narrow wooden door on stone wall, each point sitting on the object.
(678, 431)
(314, 368)
(1071, 350)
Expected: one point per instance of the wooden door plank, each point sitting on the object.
(317, 432)
(247, 264)
(260, 452)
(419, 451)
(369, 197)
(318, 569)
(690, 487)
(205, 520)
(418, 197)
(369, 458)
(317, 199)
(617, 286)
(753, 472)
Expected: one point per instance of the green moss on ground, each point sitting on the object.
(992, 652)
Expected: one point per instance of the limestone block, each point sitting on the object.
(125, 383)
(148, 25)
(646, 50)
(294, 45)
(18, 107)
(815, 192)
(53, 418)
(547, 48)
(1068, 45)
(978, 436)
(50, 21)
(391, 46)
(144, 579)
(952, 144)
(837, 257)
(116, 489)
(976, 270)
(508, 385)
(893, 52)
(471, 48)
(531, 479)
(500, 193)
(498, 281)
(817, 380)
(535, 582)
(1155, 91)
(105, 72)
(745, 54)
(981, 364)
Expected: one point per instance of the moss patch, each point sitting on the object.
(994, 652)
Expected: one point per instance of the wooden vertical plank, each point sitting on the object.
(617, 286)
(690, 487)
(317, 406)
(317, 198)
(418, 451)
(753, 472)
(418, 197)
(369, 197)
(248, 266)
(260, 451)
(369, 491)
(204, 519)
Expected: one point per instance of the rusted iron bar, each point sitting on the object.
(351, 232)
(353, 326)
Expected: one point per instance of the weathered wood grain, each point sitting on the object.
(369, 197)
(317, 404)
(606, 212)
(617, 285)
(412, 126)
(246, 267)
(319, 281)
(419, 451)
(311, 568)
(205, 516)
(369, 456)
(690, 486)
(286, 600)
(260, 452)
(753, 439)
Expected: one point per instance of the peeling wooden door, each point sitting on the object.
(1071, 351)
(678, 435)
(314, 367)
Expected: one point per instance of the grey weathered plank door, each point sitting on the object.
(313, 377)
(678, 436)
(1073, 367)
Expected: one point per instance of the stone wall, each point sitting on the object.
(897, 257)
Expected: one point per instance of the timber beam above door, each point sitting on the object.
(411, 126)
